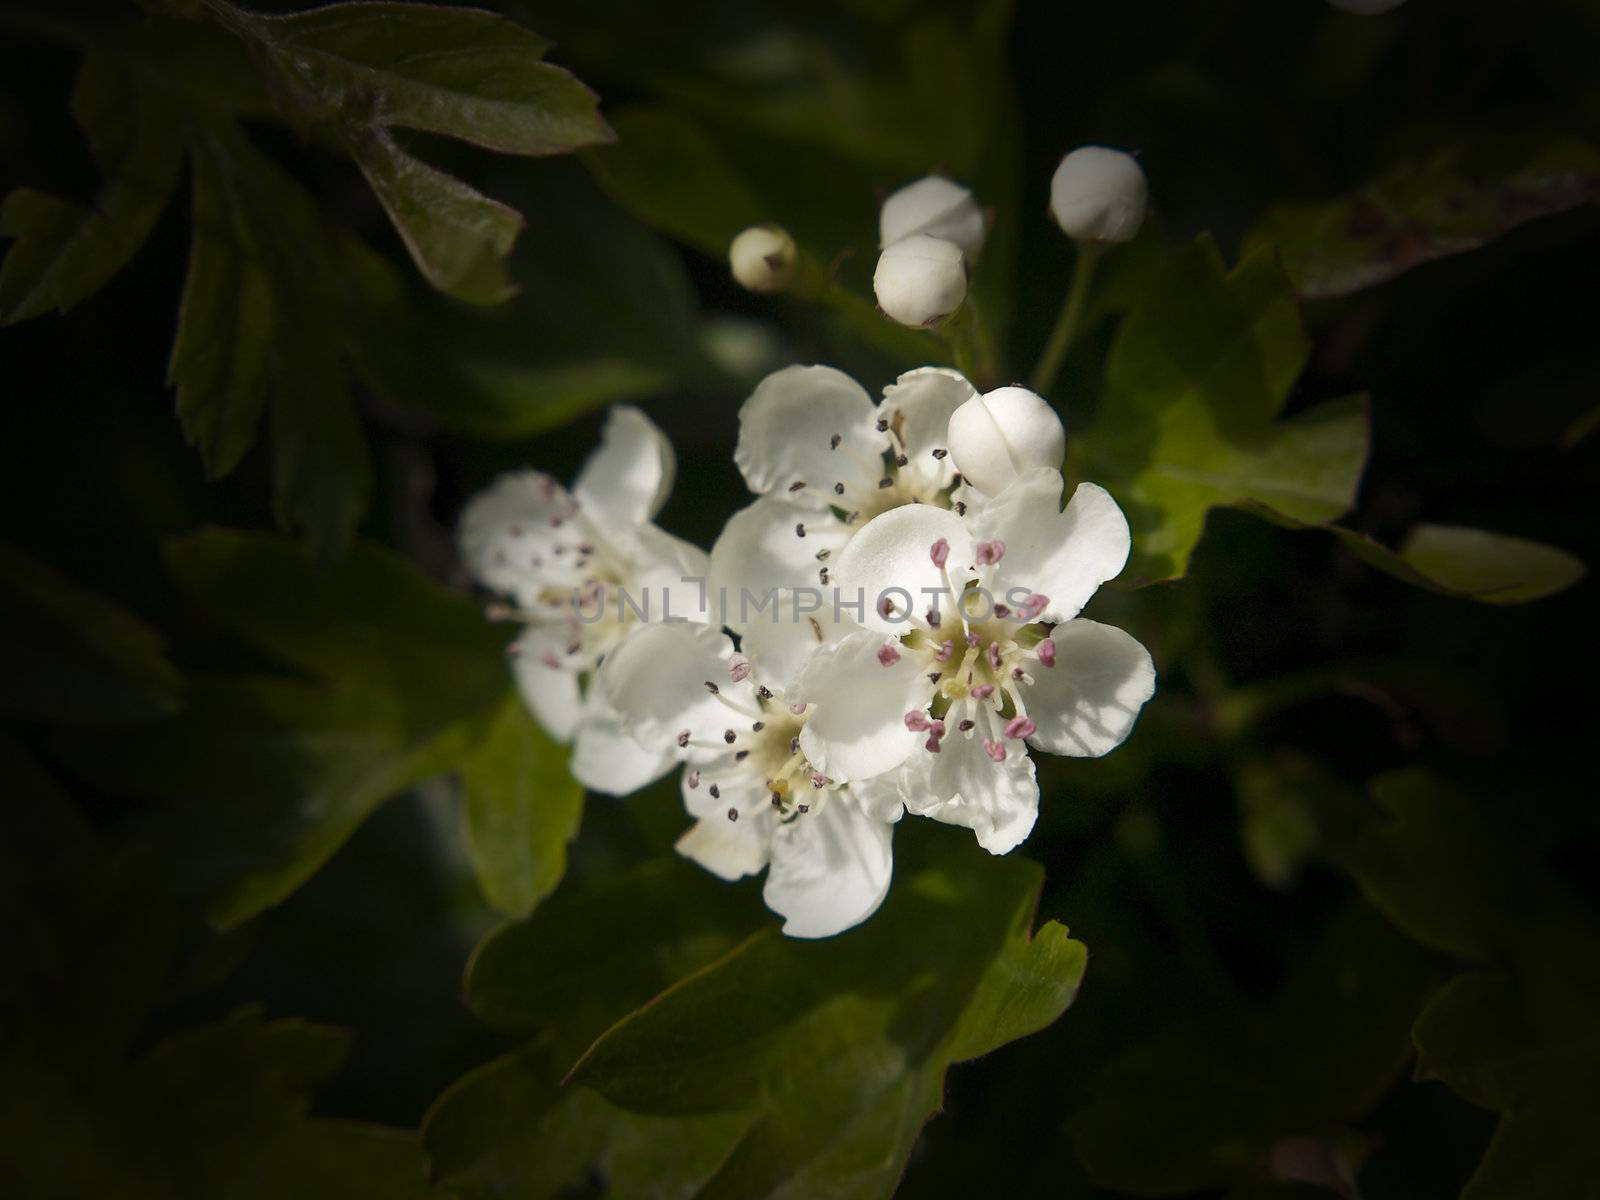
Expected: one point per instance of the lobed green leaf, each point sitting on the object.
(1197, 378)
(69, 655)
(65, 252)
(463, 72)
(1457, 200)
(258, 330)
(394, 681)
(523, 807)
(762, 1066)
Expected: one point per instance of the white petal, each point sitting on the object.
(935, 206)
(1087, 703)
(729, 849)
(547, 680)
(655, 680)
(962, 785)
(606, 758)
(857, 728)
(787, 426)
(671, 574)
(760, 553)
(894, 550)
(626, 481)
(830, 868)
(879, 797)
(781, 641)
(509, 532)
(1063, 555)
(918, 407)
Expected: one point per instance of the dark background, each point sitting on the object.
(1477, 366)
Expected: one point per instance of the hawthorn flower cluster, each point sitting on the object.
(891, 625)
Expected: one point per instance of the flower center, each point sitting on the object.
(869, 487)
(761, 766)
(585, 608)
(977, 659)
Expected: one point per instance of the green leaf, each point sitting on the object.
(367, 68)
(257, 329)
(1440, 867)
(65, 252)
(1528, 1047)
(742, 1068)
(1277, 822)
(839, 1048)
(1197, 379)
(458, 237)
(511, 1129)
(1453, 560)
(1201, 1105)
(462, 72)
(523, 807)
(226, 325)
(67, 654)
(578, 964)
(1494, 568)
(1519, 1034)
(395, 681)
(586, 959)
(217, 1111)
(1454, 201)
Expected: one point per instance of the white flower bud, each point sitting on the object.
(937, 207)
(1099, 195)
(1366, 8)
(763, 258)
(998, 435)
(920, 280)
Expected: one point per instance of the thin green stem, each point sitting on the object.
(984, 370)
(1067, 323)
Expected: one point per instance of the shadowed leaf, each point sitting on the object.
(1457, 200)
(523, 807)
(65, 251)
(1198, 376)
(67, 654)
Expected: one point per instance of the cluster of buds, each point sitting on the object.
(931, 232)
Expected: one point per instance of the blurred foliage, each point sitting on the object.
(268, 783)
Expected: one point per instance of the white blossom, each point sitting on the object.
(1000, 434)
(988, 658)
(935, 206)
(920, 280)
(757, 800)
(763, 258)
(569, 563)
(1099, 195)
(824, 461)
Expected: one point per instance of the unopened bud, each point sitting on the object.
(1099, 195)
(998, 435)
(920, 280)
(763, 258)
(937, 207)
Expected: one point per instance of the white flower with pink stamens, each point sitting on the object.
(825, 461)
(583, 570)
(757, 799)
(987, 655)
